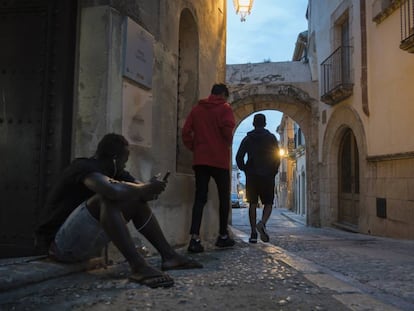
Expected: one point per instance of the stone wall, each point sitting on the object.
(100, 92)
(390, 199)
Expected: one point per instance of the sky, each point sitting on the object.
(268, 34)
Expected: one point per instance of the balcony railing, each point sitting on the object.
(336, 81)
(407, 25)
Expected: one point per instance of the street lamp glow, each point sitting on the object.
(282, 152)
(243, 8)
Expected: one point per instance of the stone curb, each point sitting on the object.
(21, 273)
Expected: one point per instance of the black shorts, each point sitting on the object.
(260, 186)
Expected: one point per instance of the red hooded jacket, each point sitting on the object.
(208, 132)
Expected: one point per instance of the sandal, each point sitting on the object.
(153, 281)
(253, 238)
(264, 236)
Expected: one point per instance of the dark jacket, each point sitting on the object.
(262, 151)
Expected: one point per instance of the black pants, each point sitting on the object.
(222, 179)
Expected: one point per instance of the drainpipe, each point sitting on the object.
(364, 73)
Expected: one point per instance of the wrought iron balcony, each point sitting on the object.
(336, 81)
(407, 25)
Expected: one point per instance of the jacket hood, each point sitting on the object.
(211, 102)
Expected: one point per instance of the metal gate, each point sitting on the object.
(37, 40)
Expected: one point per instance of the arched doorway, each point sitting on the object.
(298, 105)
(238, 177)
(187, 88)
(348, 174)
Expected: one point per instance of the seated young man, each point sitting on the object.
(92, 203)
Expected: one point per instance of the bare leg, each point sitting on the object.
(149, 227)
(267, 211)
(252, 217)
(115, 227)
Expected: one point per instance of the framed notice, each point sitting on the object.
(138, 54)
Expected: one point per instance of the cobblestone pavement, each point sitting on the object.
(380, 267)
(300, 269)
(242, 278)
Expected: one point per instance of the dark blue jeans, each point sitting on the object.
(222, 179)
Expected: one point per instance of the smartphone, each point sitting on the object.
(166, 176)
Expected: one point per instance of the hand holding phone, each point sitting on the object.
(165, 178)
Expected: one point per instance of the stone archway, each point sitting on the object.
(298, 105)
(343, 119)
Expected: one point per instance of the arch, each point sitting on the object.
(288, 99)
(342, 119)
(188, 77)
(298, 105)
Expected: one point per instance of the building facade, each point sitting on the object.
(348, 89)
(359, 51)
(72, 71)
(291, 180)
(285, 178)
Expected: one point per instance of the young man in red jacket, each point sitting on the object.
(208, 133)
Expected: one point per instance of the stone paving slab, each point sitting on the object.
(359, 302)
(382, 268)
(21, 272)
(244, 277)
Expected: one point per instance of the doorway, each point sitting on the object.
(348, 211)
(36, 95)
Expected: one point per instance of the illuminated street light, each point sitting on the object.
(243, 7)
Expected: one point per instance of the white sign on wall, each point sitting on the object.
(137, 115)
(138, 53)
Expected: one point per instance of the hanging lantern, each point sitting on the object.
(243, 8)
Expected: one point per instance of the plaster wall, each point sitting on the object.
(390, 74)
(390, 154)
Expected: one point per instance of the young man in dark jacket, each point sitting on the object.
(208, 133)
(92, 203)
(261, 167)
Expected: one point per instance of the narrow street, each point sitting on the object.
(301, 268)
(382, 267)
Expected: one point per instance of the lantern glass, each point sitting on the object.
(243, 8)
